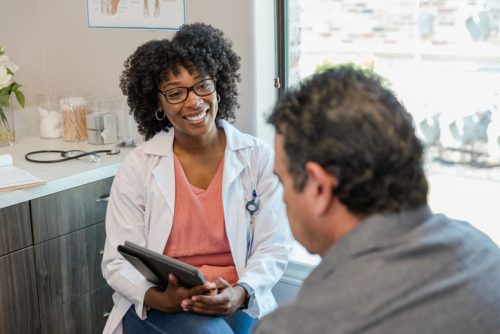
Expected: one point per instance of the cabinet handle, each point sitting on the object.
(101, 251)
(103, 198)
(106, 314)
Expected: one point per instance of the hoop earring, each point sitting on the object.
(218, 98)
(158, 117)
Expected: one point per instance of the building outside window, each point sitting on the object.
(442, 58)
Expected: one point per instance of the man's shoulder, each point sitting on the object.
(457, 234)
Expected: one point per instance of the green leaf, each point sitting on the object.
(4, 100)
(5, 90)
(20, 98)
(15, 86)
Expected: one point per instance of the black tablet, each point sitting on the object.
(156, 267)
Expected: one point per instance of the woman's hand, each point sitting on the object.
(227, 301)
(169, 300)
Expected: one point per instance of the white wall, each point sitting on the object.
(57, 52)
(20, 34)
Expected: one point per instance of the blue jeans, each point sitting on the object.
(187, 323)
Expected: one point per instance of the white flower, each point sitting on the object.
(7, 63)
(5, 77)
(8, 86)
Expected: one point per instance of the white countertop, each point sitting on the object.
(62, 175)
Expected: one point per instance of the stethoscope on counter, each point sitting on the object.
(68, 155)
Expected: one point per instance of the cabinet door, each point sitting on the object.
(15, 228)
(69, 210)
(69, 266)
(85, 315)
(18, 295)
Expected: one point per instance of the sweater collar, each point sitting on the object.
(375, 232)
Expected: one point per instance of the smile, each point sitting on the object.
(196, 117)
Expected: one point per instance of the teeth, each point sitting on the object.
(195, 117)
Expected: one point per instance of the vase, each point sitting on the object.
(7, 130)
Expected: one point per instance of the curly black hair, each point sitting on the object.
(347, 121)
(195, 47)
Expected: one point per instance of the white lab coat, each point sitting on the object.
(141, 210)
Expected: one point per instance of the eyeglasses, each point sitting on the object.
(180, 94)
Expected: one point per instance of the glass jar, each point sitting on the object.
(101, 122)
(49, 116)
(101, 128)
(74, 118)
(127, 127)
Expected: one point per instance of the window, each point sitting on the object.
(443, 60)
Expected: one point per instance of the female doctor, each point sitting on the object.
(198, 190)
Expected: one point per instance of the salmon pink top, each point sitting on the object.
(198, 234)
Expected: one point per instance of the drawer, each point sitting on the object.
(18, 294)
(69, 266)
(15, 228)
(69, 210)
(85, 315)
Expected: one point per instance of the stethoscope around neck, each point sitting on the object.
(68, 155)
(253, 205)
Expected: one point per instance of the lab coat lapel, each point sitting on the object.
(233, 203)
(232, 169)
(233, 198)
(232, 164)
(161, 145)
(164, 175)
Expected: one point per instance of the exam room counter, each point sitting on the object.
(53, 235)
(62, 175)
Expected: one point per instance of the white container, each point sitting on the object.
(49, 115)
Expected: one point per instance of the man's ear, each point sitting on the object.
(319, 187)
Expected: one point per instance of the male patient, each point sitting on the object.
(356, 194)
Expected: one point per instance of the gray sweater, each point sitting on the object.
(407, 272)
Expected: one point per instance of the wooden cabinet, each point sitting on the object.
(15, 228)
(50, 263)
(69, 210)
(18, 293)
(69, 235)
(69, 266)
(84, 315)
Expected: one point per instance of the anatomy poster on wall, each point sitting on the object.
(136, 14)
